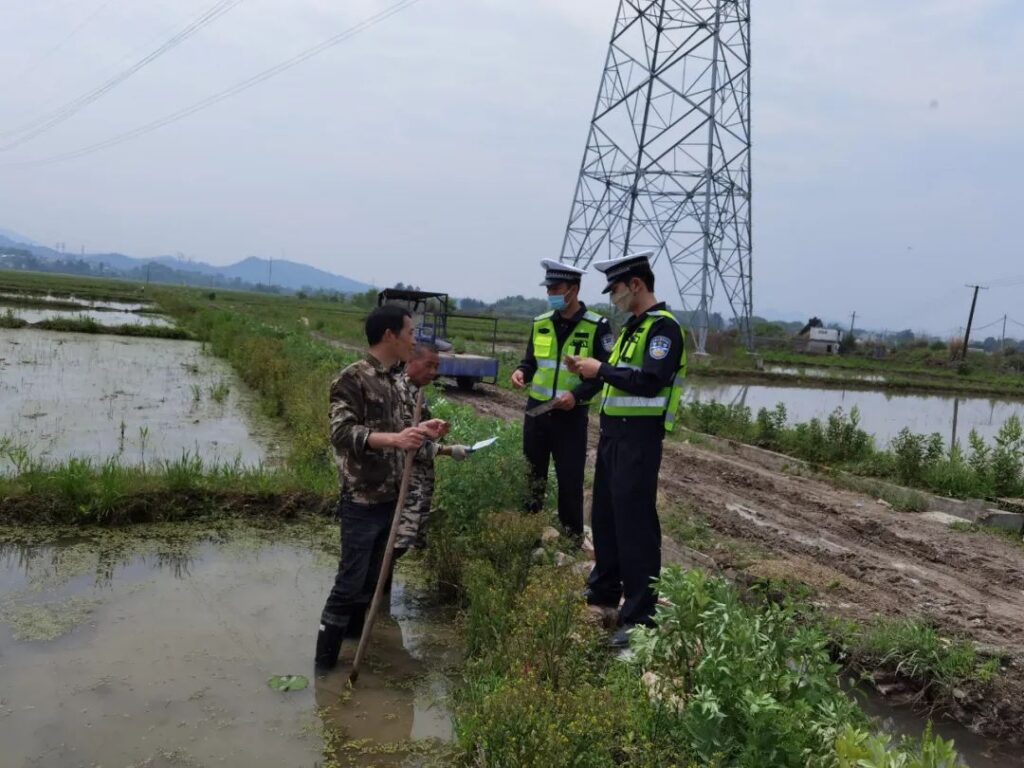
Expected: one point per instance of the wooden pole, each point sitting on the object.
(389, 552)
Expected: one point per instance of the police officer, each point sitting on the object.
(642, 388)
(569, 328)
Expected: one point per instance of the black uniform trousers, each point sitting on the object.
(624, 517)
(561, 435)
(364, 537)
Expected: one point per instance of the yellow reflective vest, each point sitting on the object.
(551, 378)
(629, 354)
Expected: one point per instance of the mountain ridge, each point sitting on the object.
(283, 273)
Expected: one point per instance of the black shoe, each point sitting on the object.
(599, 601)
(619, 641)
(328, 646)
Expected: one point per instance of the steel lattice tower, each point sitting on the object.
(667, 164)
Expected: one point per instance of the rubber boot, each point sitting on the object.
(328, 646)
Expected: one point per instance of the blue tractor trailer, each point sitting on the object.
(431, 313)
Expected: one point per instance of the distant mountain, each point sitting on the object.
(14, 237)
(290, 275)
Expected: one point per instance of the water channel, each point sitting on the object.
(882, 413)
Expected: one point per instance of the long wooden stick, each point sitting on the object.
(389, 553)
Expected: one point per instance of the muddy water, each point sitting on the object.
(68, 395)
(170, 661)
(975, 751)
(101, 316)
(882, 414)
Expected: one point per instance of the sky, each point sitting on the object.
(441, 147)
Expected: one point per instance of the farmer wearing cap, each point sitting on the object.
(642, 386)
(560, 430)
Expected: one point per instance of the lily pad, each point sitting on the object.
(286, 683)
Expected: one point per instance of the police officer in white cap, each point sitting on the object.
(569, 328)
(642, 386)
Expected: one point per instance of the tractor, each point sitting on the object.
(430, 314)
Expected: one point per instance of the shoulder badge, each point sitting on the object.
(659, 347)
(608, 342)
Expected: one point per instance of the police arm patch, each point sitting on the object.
(608, 342)
(659, 347)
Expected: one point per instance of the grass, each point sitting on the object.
(838, 443)
(88, 325)
(915, 651)
(720, 680)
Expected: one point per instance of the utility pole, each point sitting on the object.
(1002, 344)
(853, 319)
(970, 320)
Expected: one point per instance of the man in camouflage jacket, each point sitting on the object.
(419, 372)
(369, 435)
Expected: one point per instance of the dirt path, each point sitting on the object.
(861, 558)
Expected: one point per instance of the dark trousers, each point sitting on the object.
(624, 517)
(563, 436)
(364, 537)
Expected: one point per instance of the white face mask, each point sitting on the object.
(622, 299)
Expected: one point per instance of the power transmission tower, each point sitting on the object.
(667, 163)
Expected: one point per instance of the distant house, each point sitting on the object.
(814, 339)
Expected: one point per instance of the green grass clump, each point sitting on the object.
(719, 681)
(8, 320)
(918, 461)
(917, 652)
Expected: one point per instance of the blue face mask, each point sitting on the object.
(556, 302)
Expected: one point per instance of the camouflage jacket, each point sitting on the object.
(420, 495)
(365, 398)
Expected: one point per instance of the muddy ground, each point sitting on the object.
(861, 558)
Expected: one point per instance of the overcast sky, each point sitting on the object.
(441, 146)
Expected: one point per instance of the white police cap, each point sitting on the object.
(616, 270)
(556, 272)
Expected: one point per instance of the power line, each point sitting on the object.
(44, 123)
(209, 101)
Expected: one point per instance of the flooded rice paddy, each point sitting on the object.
(154, 648)
(882, 413)
(100, 316)
(66, 395)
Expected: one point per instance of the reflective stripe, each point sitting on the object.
(660, 403)
(629, 366)
(545, 392)
(592, 316)
(552, 364)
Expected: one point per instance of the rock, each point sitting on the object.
(562, 559)
(883, 503)
(539, 555)
(549, 535)
(583, 568)
(1007, 521)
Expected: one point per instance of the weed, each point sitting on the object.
(220, 391)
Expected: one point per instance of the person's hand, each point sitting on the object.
(435, 429)
(517, 379)
(584, 367)
(459, 452)
(565, 402)
(409, 439)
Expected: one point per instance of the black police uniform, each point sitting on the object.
(562, 434)
(624, 516)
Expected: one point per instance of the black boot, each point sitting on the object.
(328, 646)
